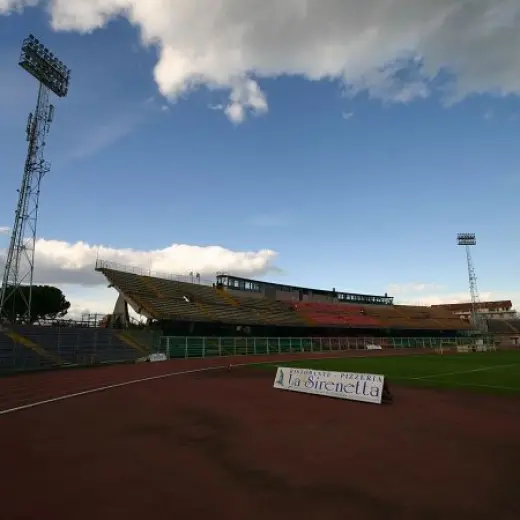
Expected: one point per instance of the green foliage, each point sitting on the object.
(47, 303)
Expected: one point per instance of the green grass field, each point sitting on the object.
(484, 372)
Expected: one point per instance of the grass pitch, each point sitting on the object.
(484, 372)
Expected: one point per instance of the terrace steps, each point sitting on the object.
(18, 338)
(131, 342)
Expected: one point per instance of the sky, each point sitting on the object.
(323, 143)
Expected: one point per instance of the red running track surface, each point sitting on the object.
(225, 444)
(24, 389)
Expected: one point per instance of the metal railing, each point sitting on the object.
(200, 347)
(141, 271)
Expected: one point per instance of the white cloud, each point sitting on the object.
(4, 230)
(245, 95)
(59, 262)
(392, 49)
(70, 266)
(347, 115)
(13, 6)
(97, 301)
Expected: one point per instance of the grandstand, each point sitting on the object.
(188, 317)
(259, 308)
(501, 309)
(502, 321)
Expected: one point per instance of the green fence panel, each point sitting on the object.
(198, 347)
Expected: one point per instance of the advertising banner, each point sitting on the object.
(367, 388)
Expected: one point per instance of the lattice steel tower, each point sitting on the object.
(53, 76)
(468, 240)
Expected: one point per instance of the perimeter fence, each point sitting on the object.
(200, 347)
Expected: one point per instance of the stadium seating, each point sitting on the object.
(419, 317)
(389, 316)
(165, 299)
(330, 314)
(272, 312)
(445, 319)
(504, 326)
(415, 317)
(14, 355)
(34, 347)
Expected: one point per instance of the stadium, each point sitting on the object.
(207, 405)
(215, 400)
(230, 316)
(187, 317)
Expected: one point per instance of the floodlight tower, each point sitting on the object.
(53, 76)
(468, 240)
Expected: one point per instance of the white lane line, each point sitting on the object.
(103, 388)
(152, 378)
(462, 372)
(185, 372)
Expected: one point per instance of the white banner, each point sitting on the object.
(158, 356)
(367, 388)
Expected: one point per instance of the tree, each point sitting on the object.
(47, 303)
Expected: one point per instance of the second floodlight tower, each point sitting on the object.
(469, 240)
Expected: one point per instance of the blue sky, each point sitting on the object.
(356, 192)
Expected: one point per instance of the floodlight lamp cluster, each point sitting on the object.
(466, 239)
(38, 61)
